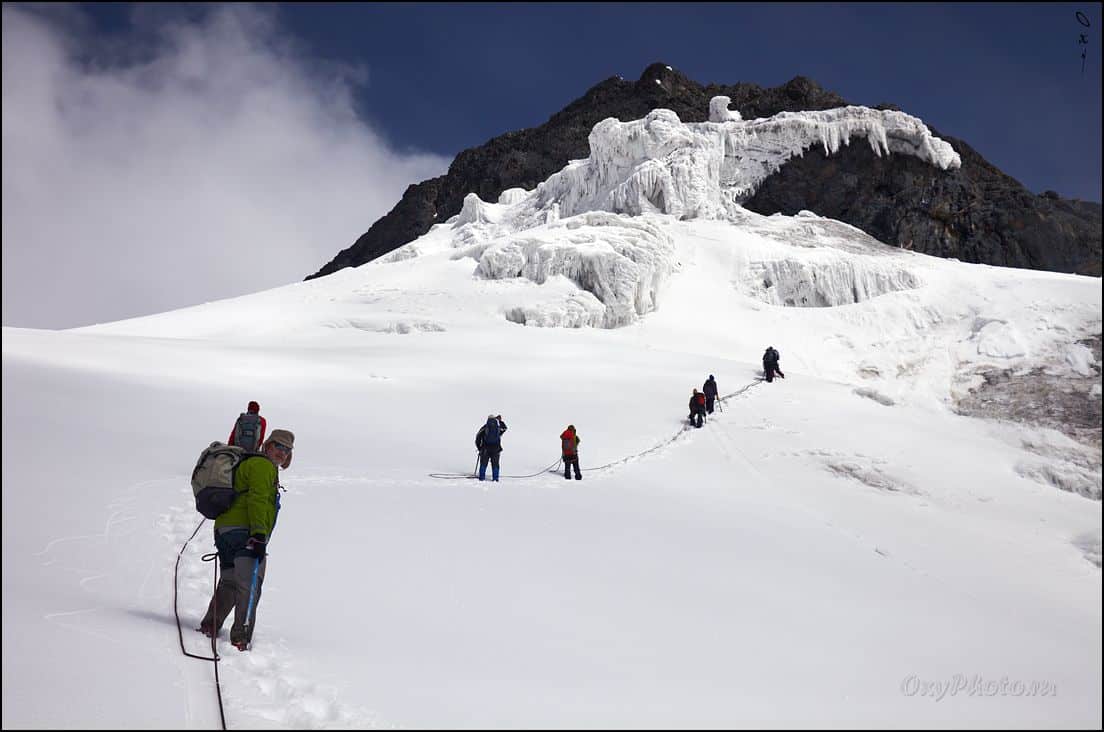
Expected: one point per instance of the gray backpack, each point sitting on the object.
(213, 478)
(247, 431)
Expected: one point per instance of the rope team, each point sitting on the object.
(488, 439)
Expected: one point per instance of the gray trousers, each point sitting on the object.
(232, 592)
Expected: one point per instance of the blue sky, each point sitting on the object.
(146, 136)
(445, 77)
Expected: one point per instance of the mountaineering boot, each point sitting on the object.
(238, 640)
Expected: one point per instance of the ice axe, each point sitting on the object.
(252, 596)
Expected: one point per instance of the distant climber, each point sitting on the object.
(697, 408)
(770, 364)
(489, 442)
(249, 429)
(710, 391)
(569, 445)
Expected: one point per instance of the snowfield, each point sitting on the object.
(844, 547)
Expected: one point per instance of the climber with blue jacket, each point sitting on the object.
(489, 442)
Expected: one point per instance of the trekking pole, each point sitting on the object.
(252, 594)
(720, 404)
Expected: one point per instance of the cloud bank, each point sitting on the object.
(190, 160)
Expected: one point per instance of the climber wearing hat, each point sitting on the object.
(249, 430)
(697, 408)
(710, 391)
(489, 442)
(242, 535)
(569, 444)
(770, 364)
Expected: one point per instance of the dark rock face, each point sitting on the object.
(976, 213)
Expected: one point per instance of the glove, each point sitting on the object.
(255, 547)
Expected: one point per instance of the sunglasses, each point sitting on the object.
(281, 447)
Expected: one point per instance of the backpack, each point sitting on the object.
(568, 445)
(247, 431)
(491, 435)
(699, 399)
(213, 478)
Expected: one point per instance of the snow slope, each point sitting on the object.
(835, 549)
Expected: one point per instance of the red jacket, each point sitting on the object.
(569, 442)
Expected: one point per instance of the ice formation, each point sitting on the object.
(588, 222)
(704, 170)
(621, 261)
(719, 111)
(512, 195)
(475, 211)
(826, 282)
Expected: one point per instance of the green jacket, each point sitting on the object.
(256, 482)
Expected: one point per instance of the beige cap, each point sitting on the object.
(284, 437)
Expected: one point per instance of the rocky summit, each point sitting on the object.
(972, 212)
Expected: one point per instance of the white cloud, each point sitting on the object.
(204, 158)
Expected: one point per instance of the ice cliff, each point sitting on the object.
(584, 224)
